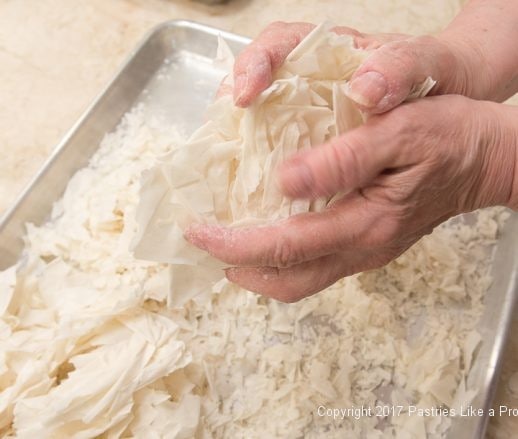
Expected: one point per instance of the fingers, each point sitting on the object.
(253, 69)
(295, 283)
(255, 65)
(352, 222)
(396, 67)
(394, 70)
(345, 163)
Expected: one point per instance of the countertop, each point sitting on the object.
(56, 56)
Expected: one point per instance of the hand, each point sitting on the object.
(397, 64)
(403, 173)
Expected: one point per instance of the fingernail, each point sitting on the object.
(296, 179)
(240, 83)
(368, 89)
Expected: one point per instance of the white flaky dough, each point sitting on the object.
(225, 173)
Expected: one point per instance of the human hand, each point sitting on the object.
(397, 64)
(403, 173)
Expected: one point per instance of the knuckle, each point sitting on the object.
(345, 160)
(406, 127)
(350, 162)
(284, 253)
(385, 233)
(336, 167)
(377, 229)
(402, 52)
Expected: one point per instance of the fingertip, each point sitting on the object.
(195, 235)
(252, 75)
(241, 98)
(203, 236)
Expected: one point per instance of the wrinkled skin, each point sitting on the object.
(403, 176)
(402, 173)
(377, 86)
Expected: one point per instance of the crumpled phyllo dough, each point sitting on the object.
(225, 173)
(136, 350)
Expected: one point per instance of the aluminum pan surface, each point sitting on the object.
(171, 71)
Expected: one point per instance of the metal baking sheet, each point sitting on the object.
(172, 72)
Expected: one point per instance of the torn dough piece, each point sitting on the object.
(225, 173)
(131, 352)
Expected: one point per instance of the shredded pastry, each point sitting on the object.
(225, 172)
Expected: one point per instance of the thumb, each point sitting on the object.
(396, 69)
(345, 163)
